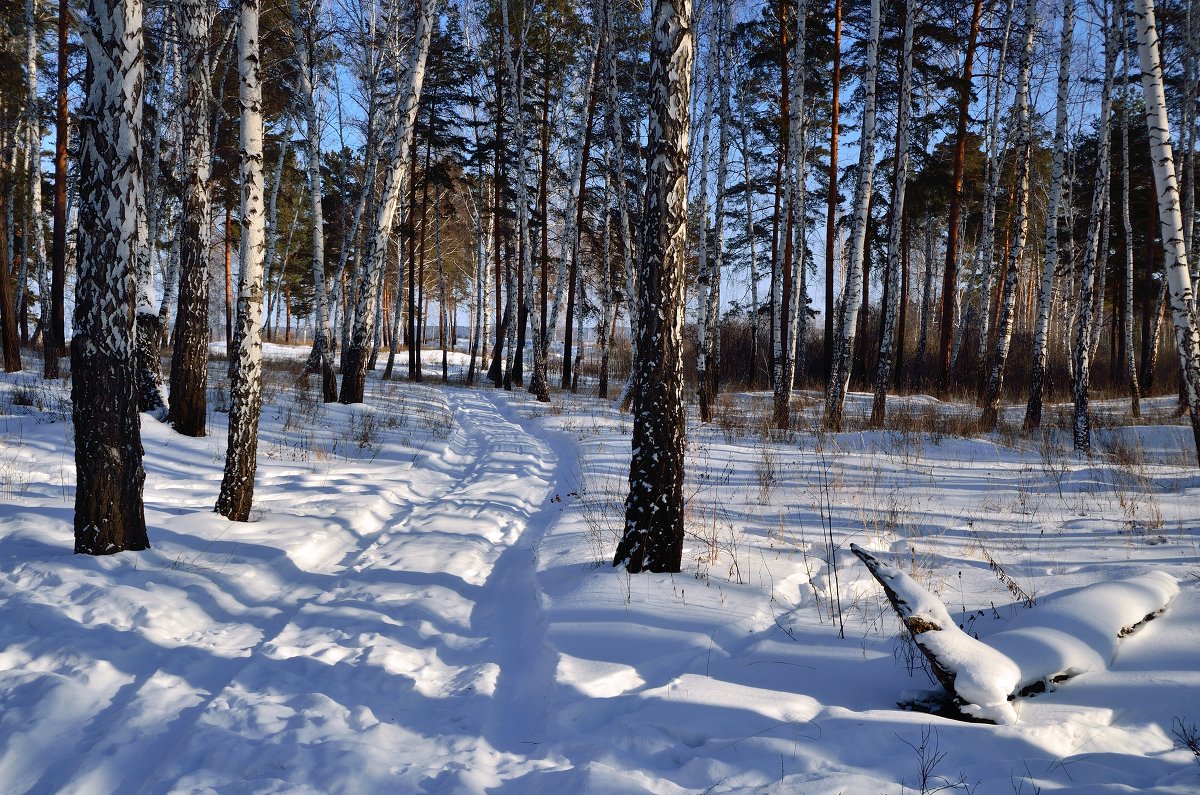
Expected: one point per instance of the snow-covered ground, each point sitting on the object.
(423, 604)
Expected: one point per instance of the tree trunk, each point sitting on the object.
(995, 386)
(58, 274)
(516, 87)
(1092, 256)
(883, 368)
(653, 535)
(794, 300)
(109, 515)
(1127, 226)
(950, 275)
(189, 362)
(320, 360)
(833, 197)
(357, 352)
(591, 95)
(1181, 299)
(744, 130)
(37, 240)
(1041, 344)
(237, 484)
(8, 320)
(704, 264)
(852, 292)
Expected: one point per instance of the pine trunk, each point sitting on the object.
(950, 275)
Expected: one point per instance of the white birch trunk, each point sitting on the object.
(1041, 343)
(976, 308)
(1092, 258)
(189, 360)
(1181, 299)
(703, 268)
(797, 300)
(357, 353)
(538, 384)
(569, 241)
(1012, 277)
(320, 360)
(1131, 373)
(653, 535)
(237, 484)
(34, 163)
(109, 515)
(852, 297)
(724, 121)
(748, 198)
(883, 371)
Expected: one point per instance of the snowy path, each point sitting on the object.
(431, 621)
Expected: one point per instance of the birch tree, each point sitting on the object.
(883, 371)
(109, 515)
(304, 25)
(704, 263)
(516, 89)
(149, 332)
(1041, 343)
(189, 360)
(653, 535)
(852, 291)
(1012, 276)
(1130, 362)
(1081, 351)
(357, 353)
(791, 303)
(36, 241)
(237, 483)
(1181, 298)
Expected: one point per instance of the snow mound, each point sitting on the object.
(1076, 632)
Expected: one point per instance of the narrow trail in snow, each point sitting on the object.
(434, 621)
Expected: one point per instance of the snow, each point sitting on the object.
(422, 603)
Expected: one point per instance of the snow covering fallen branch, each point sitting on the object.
(1074, 632)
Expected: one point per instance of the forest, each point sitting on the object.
(349, 342)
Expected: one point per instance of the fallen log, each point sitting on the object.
(1073, 632)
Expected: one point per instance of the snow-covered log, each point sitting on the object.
(1075, 632)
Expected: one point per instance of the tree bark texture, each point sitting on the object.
(109, 515)
(653, 535)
